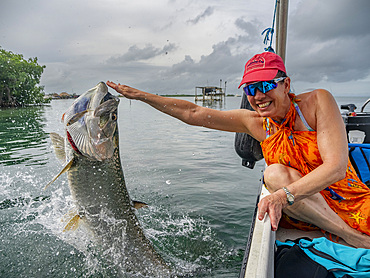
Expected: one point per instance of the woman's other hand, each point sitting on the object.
(272, 204)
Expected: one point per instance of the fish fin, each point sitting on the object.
(77, 117)
(65, 169)
(73, 224)
(69, 215)
(139, 205)
(58, 144)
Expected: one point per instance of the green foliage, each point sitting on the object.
(19, 80)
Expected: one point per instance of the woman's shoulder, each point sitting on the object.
(315, 98)
(314, 95)
(314, 101)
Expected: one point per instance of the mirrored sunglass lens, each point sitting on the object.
(269, 85)
(249, 90)
(263, 86)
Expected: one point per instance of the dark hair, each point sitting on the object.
(280, 73)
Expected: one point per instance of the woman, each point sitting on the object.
(304, 144)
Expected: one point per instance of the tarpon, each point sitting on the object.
(90, 154)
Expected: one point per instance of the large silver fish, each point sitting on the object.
(91, 157)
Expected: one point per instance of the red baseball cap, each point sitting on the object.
(262, 67)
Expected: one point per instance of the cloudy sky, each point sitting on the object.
(171, 46)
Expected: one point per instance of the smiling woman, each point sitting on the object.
(303, 142)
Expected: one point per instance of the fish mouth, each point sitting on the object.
(91, 123)
(99, 95)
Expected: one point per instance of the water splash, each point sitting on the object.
(187, 242)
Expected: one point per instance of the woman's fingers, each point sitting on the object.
(271, 205)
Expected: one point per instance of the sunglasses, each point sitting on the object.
(262, 86)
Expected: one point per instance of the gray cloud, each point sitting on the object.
(221, 63)
(135, 53)
(82, 44)
(226, 61)
(207, 12)
(327, 41)
(330, 19)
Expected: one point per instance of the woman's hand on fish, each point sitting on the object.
(126, 91)
(272, 204)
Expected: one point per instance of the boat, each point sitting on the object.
(259, 254)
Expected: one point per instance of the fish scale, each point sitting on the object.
(104, 187)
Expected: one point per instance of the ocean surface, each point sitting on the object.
(200, 197)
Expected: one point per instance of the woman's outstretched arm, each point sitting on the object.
(239, 120)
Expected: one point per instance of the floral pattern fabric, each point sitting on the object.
(349, 198)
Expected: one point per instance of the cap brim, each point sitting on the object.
(260, 75)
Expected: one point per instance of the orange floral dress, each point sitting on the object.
(349, 198)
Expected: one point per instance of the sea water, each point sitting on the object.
(201, 199)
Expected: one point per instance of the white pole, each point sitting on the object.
(281, 27)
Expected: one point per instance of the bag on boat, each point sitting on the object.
(359, 154)
(291, 262)
(320, 258)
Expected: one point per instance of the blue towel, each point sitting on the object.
(336, 258)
